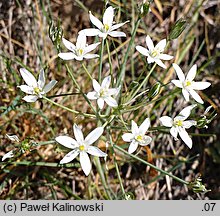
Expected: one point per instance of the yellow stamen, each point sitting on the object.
(179, 123)
(37, 90)
(80, 51)
(154, 53)
(139, 138)
(106, 27)
(82, 148)
(188, 83)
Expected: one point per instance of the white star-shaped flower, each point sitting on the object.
(81, 147)
(137, 137)
(154, 54)
(106, 28)
(80, 50)
(10, 154)
(179, 124)
(103, 93)
(35, 88)
(187, 84)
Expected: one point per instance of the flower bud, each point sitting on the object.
(145, 8)
(197, 186)
(154, 91)
(55, 34)
(177, 29)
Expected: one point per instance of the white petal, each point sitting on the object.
(13, 138)
(81, 41)
(67, 141)
(118, 25)
(30, 98)
(200, 85)
(49, 86)
(113, 91)
(133, 146)
(79, 58)
(166, 121)
(85, 163)
(149, 43)
(160, 63)
(186, 111)
(161, 45)
(147, 141)
(179, 72)
(96, 151)
(185, 137)
(108, 16)
(91, 47)
(67, 56)
(185, 94)
(111, 101)
(90, 32)
(96, 85)
(142, 50)
(196, 96)
(28, 77)
(100, 102)
(103, 35)
(94, 135)
(174, 132)
(96, 22)
(117, 34)
(78, 133)
(92, 95)
(9, 154)
(165, 57)
(192, 73)
(150, 59)
(90, 56)
(70, 46)
(189, 123)
(144, 126)
(27, 89)
(106, 82)
(134, 127)
(127, 137)
(41, 79)
(177, 83)
(70, 156)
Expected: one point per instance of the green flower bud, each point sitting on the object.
(154, 91)
(177, 29)
(197, 186)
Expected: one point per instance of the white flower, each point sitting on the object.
(178, 125)
(80, 50)
(106, 28)
(188, 85)
(10, 154)
(13, 138)
(137, 137)
(154, 54)
(35, 88)
(103, 93)
(81, 147)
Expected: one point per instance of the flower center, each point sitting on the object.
(188, 83)
(106, 27)
(155, 53)
(139, 138)
(82, 148)
(103, 93)
(179, 123)
(37, 90)
(80, 52)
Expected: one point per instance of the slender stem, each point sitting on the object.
(87, 71)
(100, 61)
(151, 165)
(109, 59)
(68, 109)
(61, 95)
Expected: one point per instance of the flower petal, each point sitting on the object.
(90, 56)
(81, 41)
(165, 57)
(96, 85)
(106, 82)
(70, 46)
(179, 72)
(96, 151)
(78, 133)
(90, 32)
(186, 111)
(174, 132)
(189, 123)
(177, 83)
(142, 50)
(28, 77)
(67, 141)
(41, 79)
(160, 63)
(185, 94)
(134, 127)
(94, 135)
(127, 137)
(200, 85)
(144, 126)
(67, 56)
(113, 91)
(147, 141)
(149, 43)
(133, 146)
(111, 101)
(108, 16)
(49, 86)
(92, 95)
(161, 45)
(100, 103)
(70, 156)
(185, 137)
(96, 22)
(192, 73)
(30, 98)
(27, 89)
(9, 154)
(118, 25)
(196, 96)
(117, 34)
(85, 163)
(166, 121)
(91, 47)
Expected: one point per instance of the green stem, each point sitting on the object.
(87, 71)
(100, 61)
(109, 59)
(151, 165)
